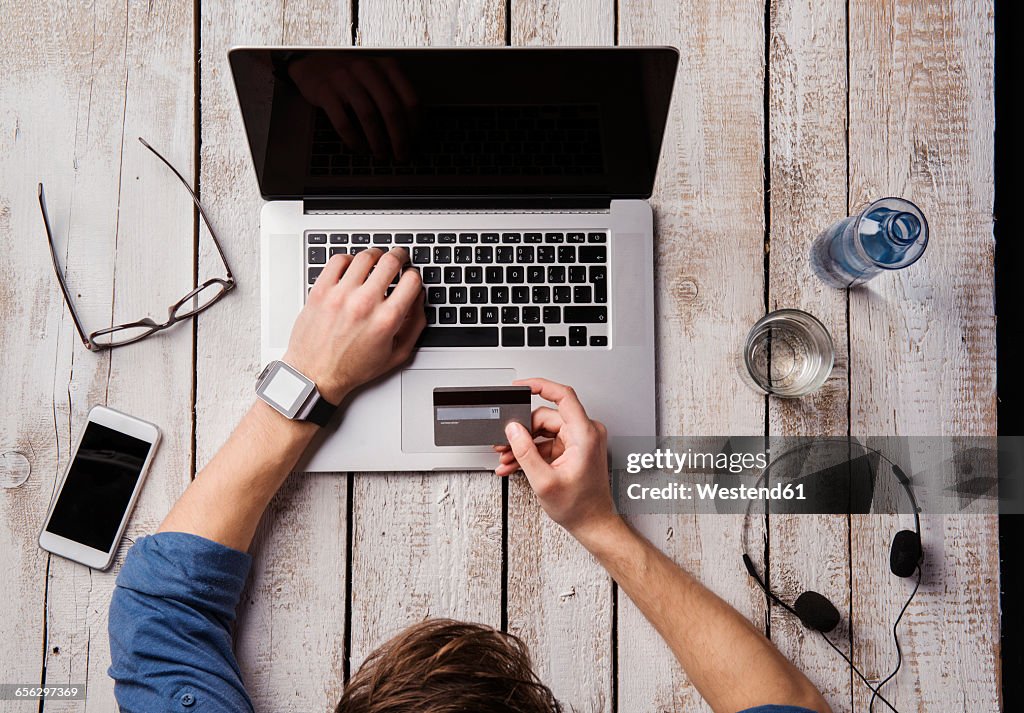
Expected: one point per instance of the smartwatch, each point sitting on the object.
(293, 395)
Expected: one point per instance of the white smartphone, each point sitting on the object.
(99, 488)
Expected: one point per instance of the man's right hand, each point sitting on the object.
(569, 471)
(731, 663)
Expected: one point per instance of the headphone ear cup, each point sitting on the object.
(816, 612)
(905, 554)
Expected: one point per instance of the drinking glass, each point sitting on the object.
(787, 353)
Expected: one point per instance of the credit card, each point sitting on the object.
(477, 415)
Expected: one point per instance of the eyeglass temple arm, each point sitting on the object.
(195, 199)
(60, 274)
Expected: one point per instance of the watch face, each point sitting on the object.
(285, 389)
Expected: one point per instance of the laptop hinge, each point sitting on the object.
(456, 204)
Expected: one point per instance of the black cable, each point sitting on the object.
(905, 482)
(859, 674)
(876, 690)
(896, 639)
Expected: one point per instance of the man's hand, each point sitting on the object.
(349, 332)
(732, 664)
(569, 471)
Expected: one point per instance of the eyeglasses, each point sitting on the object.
(196, 301)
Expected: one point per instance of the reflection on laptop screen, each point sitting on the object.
(416, 122)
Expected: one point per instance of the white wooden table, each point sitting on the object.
(784, 118)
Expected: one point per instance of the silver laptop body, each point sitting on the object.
(520, 282)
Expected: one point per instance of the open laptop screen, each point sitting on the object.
(454, 122)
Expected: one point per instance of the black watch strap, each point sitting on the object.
(321, 412)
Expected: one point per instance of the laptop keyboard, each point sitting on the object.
(486, 289)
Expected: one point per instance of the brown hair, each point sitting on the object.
(444, 666)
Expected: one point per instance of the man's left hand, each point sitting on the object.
(350, 330)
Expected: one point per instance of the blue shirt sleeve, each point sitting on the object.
(777, 709)
(170, 626)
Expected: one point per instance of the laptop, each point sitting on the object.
(517, 178)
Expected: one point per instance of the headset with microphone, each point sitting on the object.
(817, 613)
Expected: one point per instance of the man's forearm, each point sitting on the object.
(228, 497)
(731, 663)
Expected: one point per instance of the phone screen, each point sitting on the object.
(98, 487)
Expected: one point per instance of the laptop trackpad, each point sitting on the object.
(418, 403)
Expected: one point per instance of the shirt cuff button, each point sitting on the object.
(185, 696)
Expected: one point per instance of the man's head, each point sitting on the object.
(444, 666)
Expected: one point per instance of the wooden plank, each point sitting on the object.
(563, 22)
(709, 269)
(425, 545)
(807, 150)
(559, 598)
(35, 338)
(923, 339)
(291, 629)
(82, 83)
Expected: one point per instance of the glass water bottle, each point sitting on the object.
(888, 234)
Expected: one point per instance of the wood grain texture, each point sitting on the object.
(36, 339)
(422, 23)
(709, 242)
(85, 82)
(807, 150)
(425, 545)
(291, 627)
(923, 339)
(563, 23)
(559, 598)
